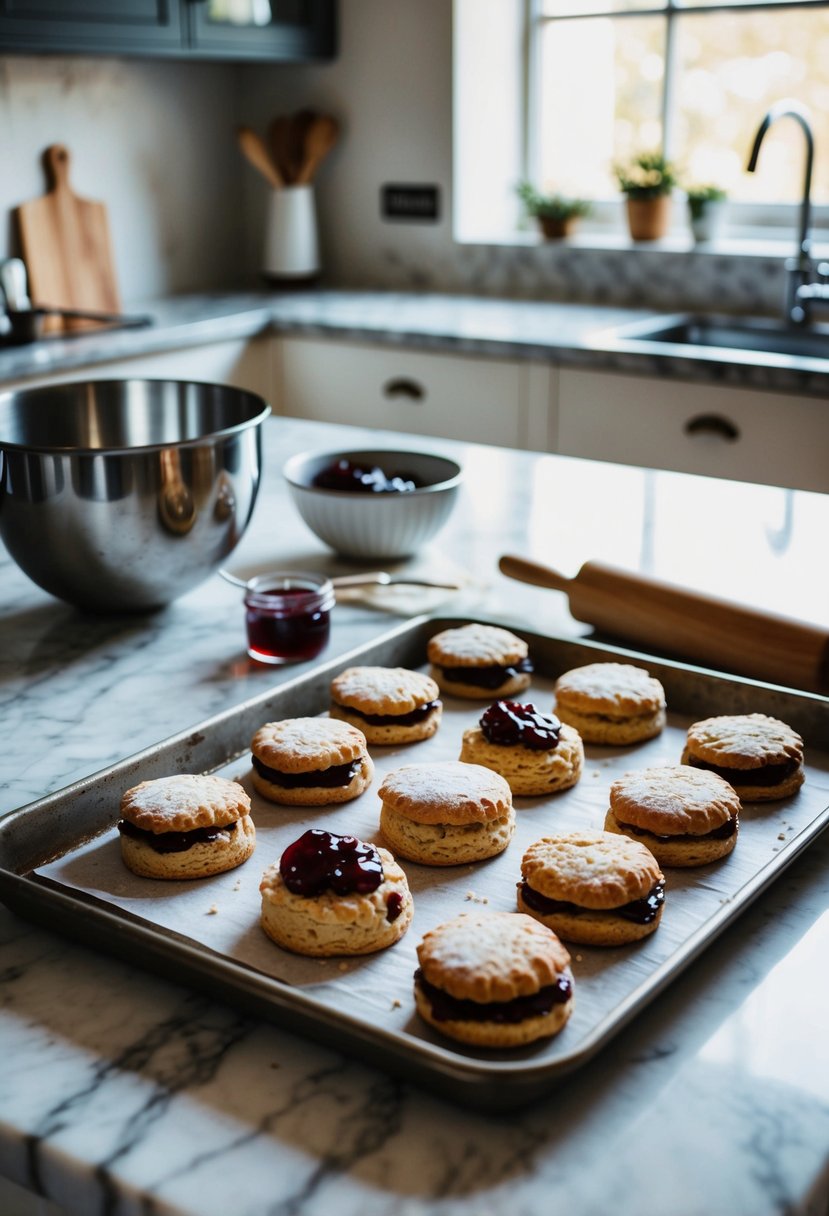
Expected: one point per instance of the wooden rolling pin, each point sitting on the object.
(692, 625)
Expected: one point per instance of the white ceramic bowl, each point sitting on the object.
(372, 525)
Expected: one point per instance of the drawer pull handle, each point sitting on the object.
(402, 386)
(712, 424)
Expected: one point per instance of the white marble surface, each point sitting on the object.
(120, 1093)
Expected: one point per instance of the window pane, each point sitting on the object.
(601, 96)
(733, 66)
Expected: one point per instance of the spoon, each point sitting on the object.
(255, 150)
(377, 578)
(320, 138)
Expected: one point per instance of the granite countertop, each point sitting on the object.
(572, 334)
(126, 1094)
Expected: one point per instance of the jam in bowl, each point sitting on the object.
(374, 503)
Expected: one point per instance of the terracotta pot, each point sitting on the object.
(648, 218)
(554, 230)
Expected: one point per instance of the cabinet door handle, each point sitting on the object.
(403, 386)
(712, 424)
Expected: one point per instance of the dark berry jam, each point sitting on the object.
(508, 723)
(174, 842)
(769, 774)
(487, 677)
(288, 617)
(723, 832)
(394, 906)
(363, 479)
(640, 911)
(446, 1008)
(320, 861)
(408, 719)
(333, 777)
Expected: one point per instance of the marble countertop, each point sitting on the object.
(573, 334)
(126, 1094)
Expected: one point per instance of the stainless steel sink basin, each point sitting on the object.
(724, 334)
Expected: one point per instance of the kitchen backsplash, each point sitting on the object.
(639, 278)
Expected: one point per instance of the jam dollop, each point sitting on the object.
(322, 861)
(507, 723)
(333, 777)
(363, 479)
(174, 842)
(394, 906)
(640, 911)
(492, 676)
(411, 718)
(446, 1008)
(768, 775)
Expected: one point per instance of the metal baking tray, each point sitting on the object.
(60, 866)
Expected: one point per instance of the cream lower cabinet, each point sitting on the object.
(243, 363)
(473, 398)
(741, 434)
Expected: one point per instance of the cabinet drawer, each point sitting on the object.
(741, 434)
(452, 396)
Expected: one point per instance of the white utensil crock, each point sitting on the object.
(291, 244)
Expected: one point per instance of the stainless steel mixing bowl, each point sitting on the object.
(123, 494)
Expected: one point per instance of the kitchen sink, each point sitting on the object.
(725, 334)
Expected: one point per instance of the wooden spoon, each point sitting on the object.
(320, 138)
(256, 152)
(282, 145)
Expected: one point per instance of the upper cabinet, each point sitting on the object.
(265, 30)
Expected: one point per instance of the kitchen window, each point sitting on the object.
(566, 89)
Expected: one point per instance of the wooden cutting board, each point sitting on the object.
(67, 248)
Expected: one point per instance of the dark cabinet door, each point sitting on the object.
(289, 30)
(91, 26)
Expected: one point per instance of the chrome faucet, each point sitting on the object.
(801, 290)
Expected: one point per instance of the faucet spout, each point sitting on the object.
(799, 268)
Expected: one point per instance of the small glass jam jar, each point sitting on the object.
(288, 616)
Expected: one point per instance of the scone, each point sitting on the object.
(593, 888)
(330, 895)
(447, 813)
(685, 816)
(310, 761)
(534, 752)
(185, 826)
(479, 662)
(494, 980)
(761, 757)
(613, 703)
(388, 704)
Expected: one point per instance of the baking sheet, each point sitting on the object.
(218, 918)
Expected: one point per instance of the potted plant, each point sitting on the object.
(647, 183)
(706, 211)
(557, 215)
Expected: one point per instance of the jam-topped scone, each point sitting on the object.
(611, 703)
(185, 826)
(593, 888)
(761, 757)
(388, 704)
(310, 761)
(534, 752)
(479, 662)
(330, 895)
(494, 980)
(685, 816)
(446, 813)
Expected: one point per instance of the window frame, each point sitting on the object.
(746, 220)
